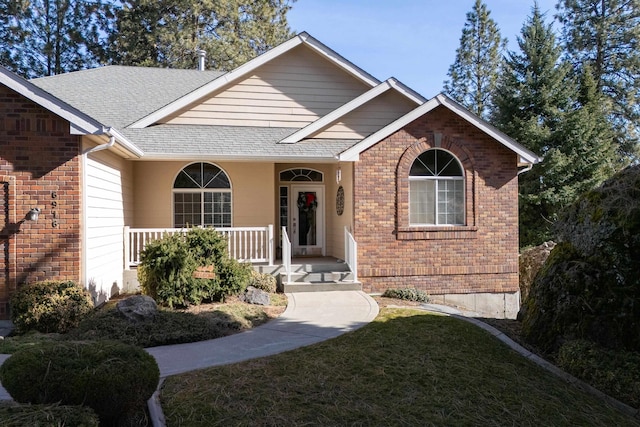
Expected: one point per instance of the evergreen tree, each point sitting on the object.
(474, 74)
(604, 35)
(169, 32)
(539, 103)
(47, 37)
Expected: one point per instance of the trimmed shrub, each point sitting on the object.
(408, 294)
(50, 306)
(112, 378)
(167, 270)
(14, 415)
(263, 281)
(616, 373)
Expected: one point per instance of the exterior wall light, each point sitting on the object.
(32, 215)
(338, 175)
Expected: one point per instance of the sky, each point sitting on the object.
(414, 41)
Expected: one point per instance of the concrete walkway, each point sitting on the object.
(310, 317)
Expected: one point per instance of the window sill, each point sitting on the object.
(434, 232)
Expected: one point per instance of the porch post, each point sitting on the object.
(127, 247)
(271, 243)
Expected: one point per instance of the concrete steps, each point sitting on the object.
(319, 277)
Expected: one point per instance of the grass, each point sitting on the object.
(406, 368)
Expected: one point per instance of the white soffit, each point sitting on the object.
(248, 67)
(525, 156)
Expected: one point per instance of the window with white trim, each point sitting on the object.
(436, 189)
(202, 196)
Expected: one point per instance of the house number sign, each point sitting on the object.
(54, 205)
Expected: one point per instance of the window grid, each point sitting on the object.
(436, 190)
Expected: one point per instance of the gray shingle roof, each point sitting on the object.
(118, 95)
(230, 142)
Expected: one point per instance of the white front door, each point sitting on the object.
(307, 219)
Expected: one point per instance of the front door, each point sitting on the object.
(307, 219)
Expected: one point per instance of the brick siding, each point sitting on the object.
(39, 167)
(480, 256)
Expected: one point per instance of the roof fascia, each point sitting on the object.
(79, 122)
(524, 155)
(352, 105)
(245, 69)
(124, 142)
(235, 158)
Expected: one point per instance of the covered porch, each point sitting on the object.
(257, 245)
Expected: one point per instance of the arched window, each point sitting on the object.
(303, 175)
(202, 196)
(436, 189)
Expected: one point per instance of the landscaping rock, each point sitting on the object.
(256, 296)
(138, 308)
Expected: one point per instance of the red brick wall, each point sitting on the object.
(481, 256)
(39, 167)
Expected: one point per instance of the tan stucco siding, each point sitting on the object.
(369, 118)
(252, 188)
(291, 91)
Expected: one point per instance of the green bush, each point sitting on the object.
(167, 267)
(616, 373)
(408, 294)
(51, 306)
(112, 378)
(263, 281)
(14, 415)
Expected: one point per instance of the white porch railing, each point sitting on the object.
(286, 253)
(248, 244)
(351, 253)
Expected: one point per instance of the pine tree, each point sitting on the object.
(169, 32)
(474, 74)
(540, 104)
(54, 36)
(603, 35)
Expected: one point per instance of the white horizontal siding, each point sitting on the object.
(369, 118)
(293, 90)
(108, 181)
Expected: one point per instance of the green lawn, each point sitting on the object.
(406, 368)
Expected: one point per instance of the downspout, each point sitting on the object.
(526, 169)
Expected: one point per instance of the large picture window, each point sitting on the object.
(202, 196)
(436, 190)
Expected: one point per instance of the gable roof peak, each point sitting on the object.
(244, 70)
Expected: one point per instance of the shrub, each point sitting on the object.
(263, 281)
(167, 267)
(51, 306)
(112, 378)
(13, 415)
(616, 373)
(168, 327)
(408, 294)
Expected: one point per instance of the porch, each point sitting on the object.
(256, 245)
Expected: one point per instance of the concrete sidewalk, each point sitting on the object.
(310, 317)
